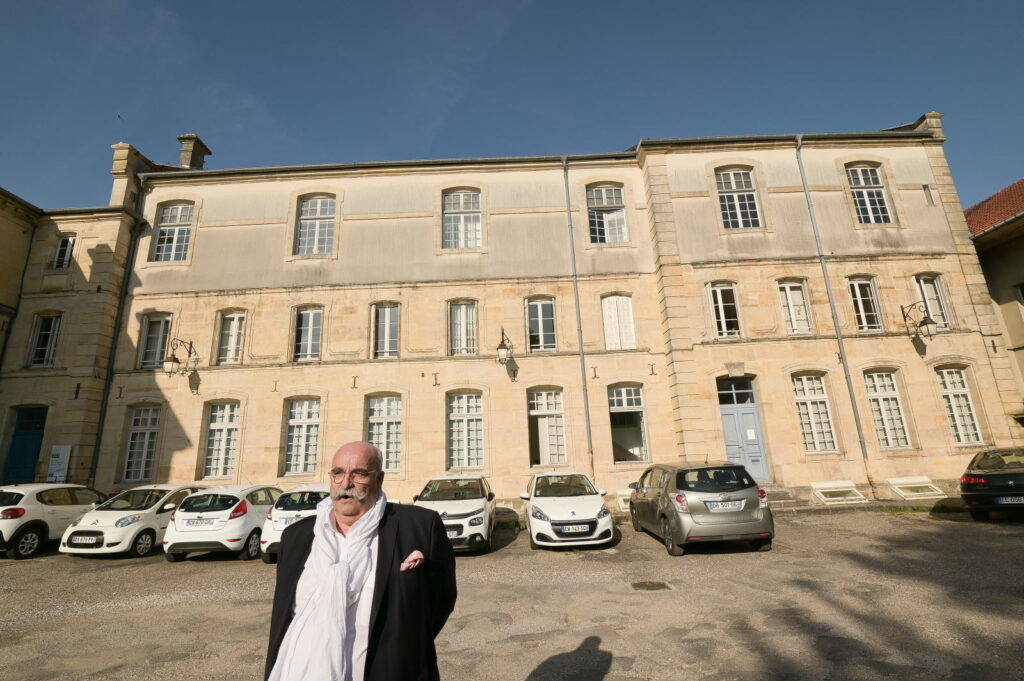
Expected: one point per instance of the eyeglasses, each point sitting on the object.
(360, 476)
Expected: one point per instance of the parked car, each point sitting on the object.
(220, 519)
(466, 505)
(994, 481)
(295, 504)
(131, 522)
(719, 502)
(35, 513)
(565, 509)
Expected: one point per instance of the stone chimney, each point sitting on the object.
(193, 152)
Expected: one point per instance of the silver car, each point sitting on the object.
(702, 504)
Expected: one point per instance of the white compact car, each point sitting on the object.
(35, 513)
(565, 509)
(466, 505)
(220, 519)
(295, 504)
(134, 521)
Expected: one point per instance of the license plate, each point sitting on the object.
(452, 534)
(84, 540)
(199, 522)
(288, 521)
(724, 505)
(574, 528)
(1010, 500)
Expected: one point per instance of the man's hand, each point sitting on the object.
(414, 560)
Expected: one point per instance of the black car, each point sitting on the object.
(994, 481)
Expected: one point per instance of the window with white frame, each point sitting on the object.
(546, 427)
(314, 234)
(384, 428)
(173, 231)
(44, 340)
(385, 330)
(886, 409)
(303, 436)
(629, 433)
(462, 327)
(465, 430)
(723, 310)
(62, 256)
(155, 329)
(606, 214)
(540, 315)
(796, 311)
(143, 427)
(619, 333)
(221, 440)
(308, 325)
(460, 220)
(865, 304)
(956, 398)
(232, 333)
(813, 411)
(929, 287)
(737, 199)
(868, 194)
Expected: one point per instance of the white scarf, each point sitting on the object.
(321, 622)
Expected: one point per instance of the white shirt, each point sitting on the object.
(357, 618)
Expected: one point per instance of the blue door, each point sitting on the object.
(26, 442)
(741, 426)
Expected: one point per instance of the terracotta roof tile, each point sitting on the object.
(1002, 205)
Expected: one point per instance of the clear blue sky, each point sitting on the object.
(280, 83)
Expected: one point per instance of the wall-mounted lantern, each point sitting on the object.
(504, 348)
(172, 365)
(925, 327)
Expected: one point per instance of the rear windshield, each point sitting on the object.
(725, 479)
(994, 460)
(10, 498)
(208, 502)
(452, 490)
(133, 500)
(299, 501)
(563, 486)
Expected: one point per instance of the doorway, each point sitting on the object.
(741, 426)
(26, 441)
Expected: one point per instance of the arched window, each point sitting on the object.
(223, 421)
(930, 288)
(302, 438)
(956, 398)
(546, 426)
(173, 232)
(465, 429)
(308, 327)
(886, 408)
(230, 336)
(540, 320)
(462, 327)
(868, 192)
(385, 330)
(62, 257)
(384, 427)
(314, 233)
(626, 413)
(814, 413)
(617, 311)
(45, 330)
(737, 197)
(461, 219)
(724, 310)
(606, 214)
(143, 428)
(796, 309)
(865, 303)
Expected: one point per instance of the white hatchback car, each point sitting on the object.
(565, 509)
(35, 513)
(466, 505)
(220, 519)
(295, 504)
(134, 521)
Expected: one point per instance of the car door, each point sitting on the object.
(59, 509)
(640, 498)
(163, 517)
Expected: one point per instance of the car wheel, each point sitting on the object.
(25, 544)
(142, 545)
(485, 546)
(634, 519)
(761, 545)
(268, 558)
(175, 557)
(671, 546)
(979, 515)
(529, 533)
(251, 549)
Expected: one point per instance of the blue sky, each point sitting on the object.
(273, 83)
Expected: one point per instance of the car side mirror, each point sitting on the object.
(169, 506)
(490, 496)
(525, 496)
(632, 485)
(94, 504)
(602, 492)
(416, 497)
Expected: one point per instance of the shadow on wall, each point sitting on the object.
(586, 663)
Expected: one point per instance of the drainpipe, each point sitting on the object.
(835, 315)
(579, 322)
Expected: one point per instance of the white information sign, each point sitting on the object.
(58, 470)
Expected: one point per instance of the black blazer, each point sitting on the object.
(409, 608)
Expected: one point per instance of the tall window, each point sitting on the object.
(465, 430)
(929, 286)
(232, 333)
(44, 340)
(315, 232)
(462, 328)
(385, 330)
(540, 315)
(606, 214)
(384, 428)
(308, 324)
(868, 194)
(795, 310)
(221, 440)
(886, 409)
(155, 328)
(173, 231)
(865, 304)
(460, 220)
(62, 257)
(626, 413)
(303, 436)
(737, 199)
(142, 432)
(959, 409)
(618, 323)
(723, 310)
(815, 417)
(546, 428)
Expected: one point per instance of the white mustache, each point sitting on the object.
(350, 493)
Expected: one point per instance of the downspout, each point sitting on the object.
(835, 315)
(17, 300)
(579, 321)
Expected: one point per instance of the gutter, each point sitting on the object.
(1004, 223)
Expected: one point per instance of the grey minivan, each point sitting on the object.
(718, 502)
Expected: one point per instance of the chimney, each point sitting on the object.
(193, 152)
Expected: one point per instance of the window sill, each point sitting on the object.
(460, 251)
(742, 230)
(631, 464)
(465, 469)
(219, 477)
(591, 245)
(310, 256)
(299, 474)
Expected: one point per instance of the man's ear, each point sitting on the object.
(380, 479)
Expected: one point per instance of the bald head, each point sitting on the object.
(356, 478)
(375, 459)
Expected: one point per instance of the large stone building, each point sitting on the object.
(757, 298)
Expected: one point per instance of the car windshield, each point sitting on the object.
(10, 498)
(725, 479)
(563, 486)
(133, 500)
(208, 503)
(452, 490)
(996, 460)
(299, 501)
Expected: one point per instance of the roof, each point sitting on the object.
(1005, 204)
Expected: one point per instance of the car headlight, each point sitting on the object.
(603, 513)
(128, 520)
(540, 515)
(479, 520)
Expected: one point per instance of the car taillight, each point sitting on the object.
(762, 497)
(681, 505)
(11, 513)
(239, 511)
(973, 480)
(172, 516)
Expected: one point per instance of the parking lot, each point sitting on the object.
(844, 595)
